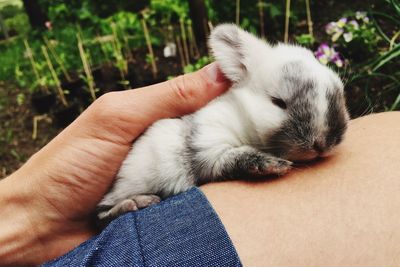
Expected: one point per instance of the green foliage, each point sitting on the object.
(20, 99)
(10, 11)
(305, 40)
(201, 62)
(18, 24)
(382, 68)
(15, 20)
(12, 53)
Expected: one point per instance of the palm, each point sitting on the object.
(84, 169)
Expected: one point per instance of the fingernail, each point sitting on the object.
(214, 72)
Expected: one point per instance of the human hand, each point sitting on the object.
(50, 200)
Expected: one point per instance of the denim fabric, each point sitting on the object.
(183, 230)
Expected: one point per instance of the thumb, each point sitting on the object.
(133, 111)
(184, 94)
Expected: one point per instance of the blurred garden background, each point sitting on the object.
(56, 57)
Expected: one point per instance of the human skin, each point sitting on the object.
(47, 205)
(342, 211)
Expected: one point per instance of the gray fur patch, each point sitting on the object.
(336, 117)
(298, 132)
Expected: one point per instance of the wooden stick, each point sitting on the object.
(103, 49)
(150, 48)
(184, 41)
(192, 39)
(309, 20)
(180, 51)
(287, 16)
(57, 58)
(34, 130)
(36, 120)
(33, 64)
(118, 52)
(129, 53)
(237, 12)
(261, 15)
(86, 68)
(55, 78)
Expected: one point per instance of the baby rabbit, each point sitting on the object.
(283, 106)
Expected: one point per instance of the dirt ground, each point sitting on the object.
(16, 125)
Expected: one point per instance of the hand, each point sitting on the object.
(50, 200)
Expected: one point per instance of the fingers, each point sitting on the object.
(131, 112)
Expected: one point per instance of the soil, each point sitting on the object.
(16, 124)
(16, 119)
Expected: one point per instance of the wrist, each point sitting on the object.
(32, 231)
(19, 242)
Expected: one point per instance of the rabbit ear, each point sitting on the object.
(233, 48)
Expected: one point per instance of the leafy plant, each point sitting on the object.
(19, 24)
(383, 68)
(306, 40)
(356, 34)
(197, 65)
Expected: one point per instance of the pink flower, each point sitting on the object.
(48, 25)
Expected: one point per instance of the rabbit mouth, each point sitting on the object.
(303, 156)
(309, 155)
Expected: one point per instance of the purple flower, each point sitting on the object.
(337, 60)
(336, 29)
(341, 22)
(355, 24)
(326, 54)
(331, 28)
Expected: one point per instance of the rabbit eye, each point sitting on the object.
(279, 102)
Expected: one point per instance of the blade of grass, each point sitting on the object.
(396, 104)
(387, 57)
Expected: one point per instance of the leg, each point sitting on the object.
(241, 161)
(126, 205)
(254, 162)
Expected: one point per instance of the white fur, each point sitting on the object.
(243, 117)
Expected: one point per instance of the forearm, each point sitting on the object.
(340, 212)
(28, 234)
(18, 241)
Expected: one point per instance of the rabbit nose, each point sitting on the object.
(318, 147)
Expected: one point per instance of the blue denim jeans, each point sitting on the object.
(183, 230)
